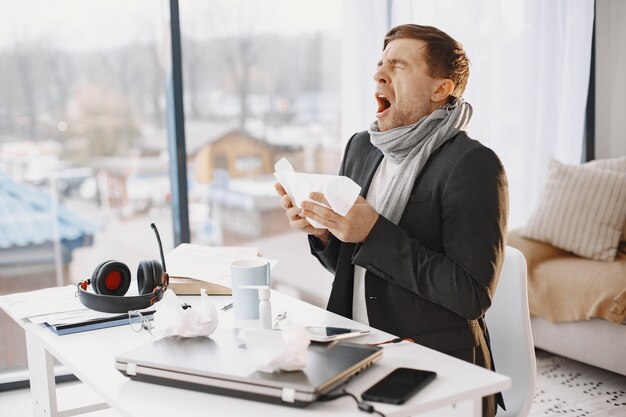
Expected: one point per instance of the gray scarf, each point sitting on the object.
(411, 146)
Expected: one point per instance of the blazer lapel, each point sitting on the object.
(372, 160)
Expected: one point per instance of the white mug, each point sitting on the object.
(248, 272)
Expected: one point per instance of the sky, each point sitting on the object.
(103, 24)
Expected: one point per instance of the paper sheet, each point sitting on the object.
(70, 317)
(40, 302)
(340, 192)
(206, 263)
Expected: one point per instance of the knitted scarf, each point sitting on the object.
(411, 146)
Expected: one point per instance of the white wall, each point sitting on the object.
(610, 78)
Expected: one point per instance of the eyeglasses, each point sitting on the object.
(279, 318)
(138, 321)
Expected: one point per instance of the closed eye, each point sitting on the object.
(393, 63)
(398, 63)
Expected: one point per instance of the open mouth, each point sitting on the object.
(383, 103)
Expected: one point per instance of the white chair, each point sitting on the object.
(512, 346)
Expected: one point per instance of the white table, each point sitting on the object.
(457, 390)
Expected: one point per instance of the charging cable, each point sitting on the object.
(396, 340)
(363, 406)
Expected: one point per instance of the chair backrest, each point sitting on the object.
(510, 333)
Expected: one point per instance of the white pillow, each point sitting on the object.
(614, 164)
(581, 209)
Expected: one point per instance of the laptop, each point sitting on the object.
(220, 365)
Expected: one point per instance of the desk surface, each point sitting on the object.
(91, 357)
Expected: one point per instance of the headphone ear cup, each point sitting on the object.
(95, 274)
(158, 273)
(111, 278)
(149, 276)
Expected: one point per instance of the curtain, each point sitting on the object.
(365, 23)
(528, 83)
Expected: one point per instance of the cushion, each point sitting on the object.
(614, 164)
(582, 209)
(563, 287)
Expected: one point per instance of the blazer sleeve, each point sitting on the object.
(329, 255)
(474, 212)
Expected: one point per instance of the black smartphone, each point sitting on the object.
(398, 386)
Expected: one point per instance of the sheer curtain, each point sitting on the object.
(365, 23)
(528, 82)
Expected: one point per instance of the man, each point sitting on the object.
(419, 253)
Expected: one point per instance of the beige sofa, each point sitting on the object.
(578, 306)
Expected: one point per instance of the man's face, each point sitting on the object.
(403, 87)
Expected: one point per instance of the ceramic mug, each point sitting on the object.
(248, 272)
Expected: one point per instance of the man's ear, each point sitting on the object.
(443, 89)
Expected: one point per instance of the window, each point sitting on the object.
(83, 153)
(83, 142)
(262, 81)
(248, 163)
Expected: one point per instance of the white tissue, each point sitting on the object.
(340, 192)
(171, 320)
(273, 351)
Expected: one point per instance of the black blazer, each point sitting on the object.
(432, 276)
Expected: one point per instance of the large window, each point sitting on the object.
(83, 153)
(262, 81)
(83, 134)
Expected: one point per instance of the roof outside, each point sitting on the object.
(26, 218)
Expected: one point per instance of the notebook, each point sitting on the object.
(220, 365)
(84, 320)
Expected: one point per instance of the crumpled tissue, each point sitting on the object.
(170, 319)
(340, 192)
(273, 351)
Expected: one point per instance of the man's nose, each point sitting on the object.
(380, 76)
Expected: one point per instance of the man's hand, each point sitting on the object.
(297, 220)
(354, 227)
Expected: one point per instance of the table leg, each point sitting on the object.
(42, 384)
(473, 408)
(467, 408)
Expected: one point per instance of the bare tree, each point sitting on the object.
(192, 63)
(156, 85)
(120, 67)
(62, 77)
(244, 49)
(104, 123)
(242, 60)
(24, 63)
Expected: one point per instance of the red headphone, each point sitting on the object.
(111, 279)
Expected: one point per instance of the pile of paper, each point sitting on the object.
(208, 265)
(58, 309)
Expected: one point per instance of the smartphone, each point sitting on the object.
(328, 334)
(398, 386)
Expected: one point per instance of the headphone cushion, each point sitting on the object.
(149, 276)
(95, 273)
(111, 278)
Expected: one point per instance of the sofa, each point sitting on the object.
(577, 305)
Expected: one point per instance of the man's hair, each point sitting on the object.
(445, 56)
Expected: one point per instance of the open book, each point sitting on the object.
(192, 267)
